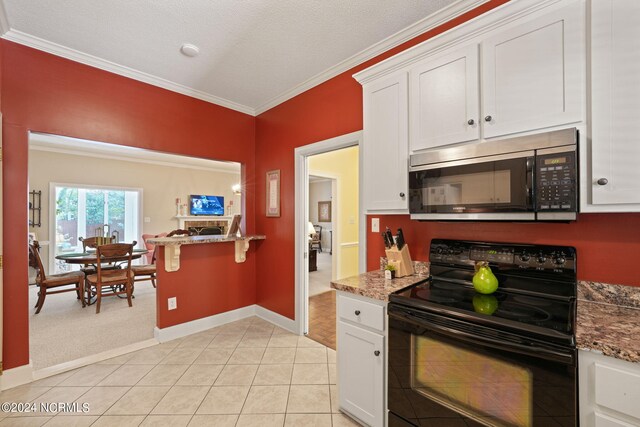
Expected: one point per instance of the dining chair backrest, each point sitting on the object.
(94, 242)
(114, 252)
(210, 231)
(34, 251)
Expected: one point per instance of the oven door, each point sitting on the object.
(490, 188)
(446, 372)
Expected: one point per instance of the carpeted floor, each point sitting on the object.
(64, 331)
(320, 280)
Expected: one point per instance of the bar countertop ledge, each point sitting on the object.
(172, 246)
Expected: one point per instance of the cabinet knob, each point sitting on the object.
(603, 181)
(488, 118)
(470, 122)
(401, 194)
(376, 353)
(357, 312)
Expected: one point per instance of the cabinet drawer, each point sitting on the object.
(361, 312)
(618, 390)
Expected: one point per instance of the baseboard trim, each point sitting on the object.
(16, 376)
(277, 319)
(199, 325)
(94, 358)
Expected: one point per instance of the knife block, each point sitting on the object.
(401, 260)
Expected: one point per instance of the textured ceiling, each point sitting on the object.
(251, 51)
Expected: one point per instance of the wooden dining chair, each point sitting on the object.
(145, 272)
(75, 279)
(115, 282)
(92, 243)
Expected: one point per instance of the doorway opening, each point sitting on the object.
(329, 230)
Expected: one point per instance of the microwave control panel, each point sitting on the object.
(556, 182)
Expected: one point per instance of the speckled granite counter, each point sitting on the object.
(609, 320)
(172, 246)
(194, 240)
(373, 284)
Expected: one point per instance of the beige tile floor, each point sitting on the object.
(246, 373)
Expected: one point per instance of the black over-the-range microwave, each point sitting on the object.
(526, 178)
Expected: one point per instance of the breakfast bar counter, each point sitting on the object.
(172, 246)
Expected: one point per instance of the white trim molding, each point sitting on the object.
(102, 64)
(459, 35)
(349, 244)
(199, 325)
(301, 261)
(94, 358)
(430, 22)
(14, 377)
(278, 319)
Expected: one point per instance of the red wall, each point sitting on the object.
(331, 109)
(45, 93)
(608, 245)
(208, 282)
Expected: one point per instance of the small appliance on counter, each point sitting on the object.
(508, 358)
(397, 253)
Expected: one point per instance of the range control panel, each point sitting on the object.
(556, 182)
(529, 259)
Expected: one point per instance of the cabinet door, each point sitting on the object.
(361, 373)
(385, 146)
(533, 73)
(615, 101)
(444, 99)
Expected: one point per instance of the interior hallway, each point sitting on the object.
(322, 303)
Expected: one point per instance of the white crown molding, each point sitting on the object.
(93, 61)
(470, 32)
(4, 21)
(432, 21)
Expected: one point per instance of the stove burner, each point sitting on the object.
(424, 293)
(521, 312)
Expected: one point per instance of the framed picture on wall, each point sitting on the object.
(324, 211)
(273, 193)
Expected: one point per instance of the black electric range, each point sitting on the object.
(448, 342)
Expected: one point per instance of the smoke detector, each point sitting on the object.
(190, 50)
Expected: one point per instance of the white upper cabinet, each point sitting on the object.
(533, 73)
(386, 146)
(444, 99)
(615, 105)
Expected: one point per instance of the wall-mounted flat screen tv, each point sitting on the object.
(200, 204)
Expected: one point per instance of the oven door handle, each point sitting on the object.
(567, 358)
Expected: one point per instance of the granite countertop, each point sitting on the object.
(195, 240)
(373, 284)
(609, 320)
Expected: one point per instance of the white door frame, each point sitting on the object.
(301, 256)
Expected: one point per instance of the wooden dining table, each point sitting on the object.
(91, 258)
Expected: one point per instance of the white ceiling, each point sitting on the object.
(254, 54)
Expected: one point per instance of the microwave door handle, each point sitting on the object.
(544, 353)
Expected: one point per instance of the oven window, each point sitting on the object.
(488, 390)
(496, 186)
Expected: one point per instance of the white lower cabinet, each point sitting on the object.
(609, 391)
(361, 360)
